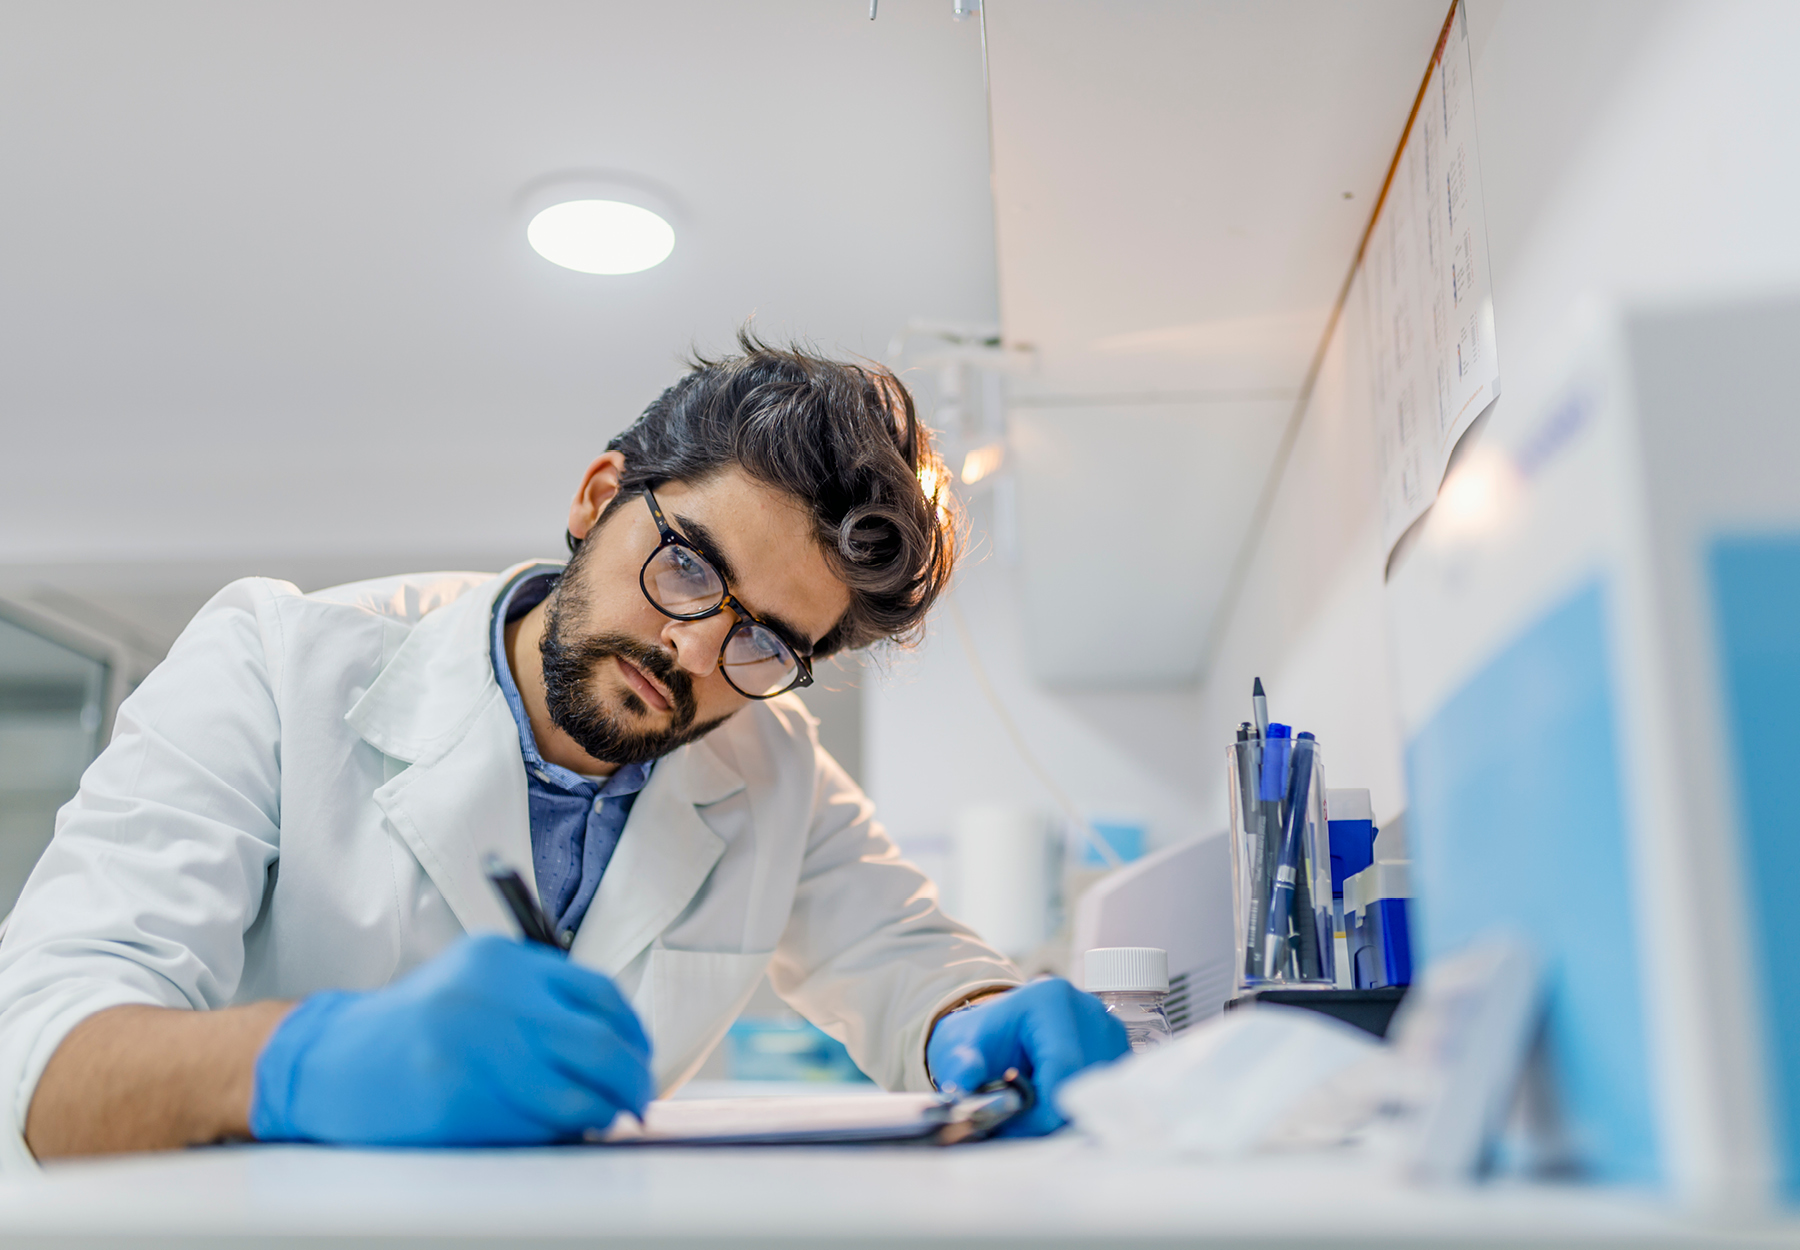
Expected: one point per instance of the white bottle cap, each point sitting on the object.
(1144, 968)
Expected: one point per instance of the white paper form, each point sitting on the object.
(734, 1119)
(1428, 305)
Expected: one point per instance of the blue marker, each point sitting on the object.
(1287, 870)
(1274, 783)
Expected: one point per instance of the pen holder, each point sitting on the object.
(1280, 864)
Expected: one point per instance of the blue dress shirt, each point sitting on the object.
(575, 820)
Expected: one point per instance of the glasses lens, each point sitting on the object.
(682, 584)
(758, 663)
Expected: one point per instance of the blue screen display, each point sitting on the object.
(1756, 600)
(1518, 825)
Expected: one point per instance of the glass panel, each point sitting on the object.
(51, 700)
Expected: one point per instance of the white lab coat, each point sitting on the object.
(300, 797)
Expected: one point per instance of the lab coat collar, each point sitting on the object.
(426, 698)
(437, 707)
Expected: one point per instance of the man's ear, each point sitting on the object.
(599, 486)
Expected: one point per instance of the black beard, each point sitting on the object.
(569, 668)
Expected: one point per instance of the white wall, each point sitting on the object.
(1309, 619)
(934, 745)
(1628, 150)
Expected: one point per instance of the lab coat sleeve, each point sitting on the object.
(868, 955)
(158, 864)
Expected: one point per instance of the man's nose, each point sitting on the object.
(697, 643)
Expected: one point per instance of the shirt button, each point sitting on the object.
(599, 803)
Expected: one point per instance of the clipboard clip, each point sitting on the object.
(971, 1117)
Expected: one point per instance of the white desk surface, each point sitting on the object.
(1061, 1192)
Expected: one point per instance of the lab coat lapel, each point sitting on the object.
(466, 803)
(437, 706)
(665, 854)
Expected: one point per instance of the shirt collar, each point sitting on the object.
(530, 588)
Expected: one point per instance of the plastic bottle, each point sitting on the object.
(1132, 981)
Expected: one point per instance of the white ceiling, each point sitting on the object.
(1170, 182)
(267, 302)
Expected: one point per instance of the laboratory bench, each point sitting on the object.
(1057, 1192)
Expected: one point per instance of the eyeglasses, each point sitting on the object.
(680, 582)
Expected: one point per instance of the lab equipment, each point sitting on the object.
(494, 1041)
(1351, 819)
(1595, 676)
(1353, 831)
(1376, 925)
(1177, 898)
(1133, 983)
(1007, 862)
(1281, 866)
(1048, 1029)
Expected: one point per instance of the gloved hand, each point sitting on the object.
(493, 1041)
(1048, 1030)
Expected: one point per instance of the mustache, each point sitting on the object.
(570, 660)
(572, 664)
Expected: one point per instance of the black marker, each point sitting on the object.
(525, 911)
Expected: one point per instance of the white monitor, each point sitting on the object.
(1178, 898)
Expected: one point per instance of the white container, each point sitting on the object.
(1133, 982)
(1004, 876)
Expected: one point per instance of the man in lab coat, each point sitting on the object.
(266, 914)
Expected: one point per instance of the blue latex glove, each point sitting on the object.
(1048, 1030)
(494, 1041)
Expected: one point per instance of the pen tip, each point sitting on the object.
(1256, 689)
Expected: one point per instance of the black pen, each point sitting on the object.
(537, 928)
(525, 912)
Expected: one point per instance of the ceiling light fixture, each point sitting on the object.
(601, 236)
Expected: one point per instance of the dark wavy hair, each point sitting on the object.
(842, 438)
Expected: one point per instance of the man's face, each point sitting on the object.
(629, 684)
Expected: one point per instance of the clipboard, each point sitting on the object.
(942, 1119)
